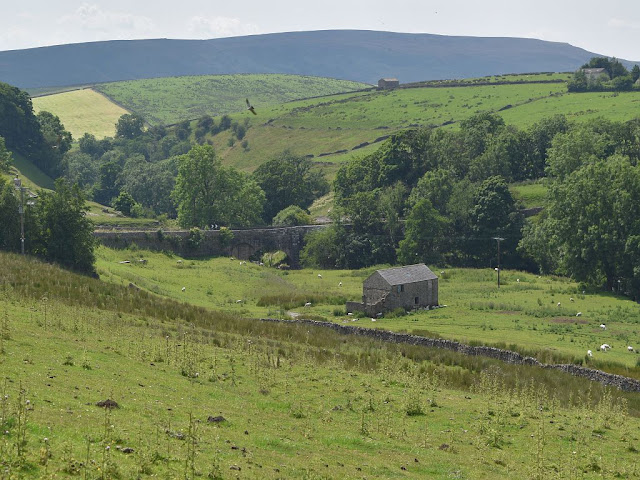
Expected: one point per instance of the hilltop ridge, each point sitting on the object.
(359, 55)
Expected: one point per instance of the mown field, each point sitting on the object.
(82, 111)
(163, 101)
(201, 394)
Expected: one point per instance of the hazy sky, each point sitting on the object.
(610, 27)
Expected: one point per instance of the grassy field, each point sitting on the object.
(337, 127)
(331, 129)
(170, 100)
(82, 111)
(530, 194)
(533, 315)
(214, 395)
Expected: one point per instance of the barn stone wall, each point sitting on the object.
(623, 383)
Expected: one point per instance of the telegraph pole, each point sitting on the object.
(498, 239)
(18, 184)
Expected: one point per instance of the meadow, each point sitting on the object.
(310, 116)
(83, 111)
(531, 314)
(202, 393)
(163, 101)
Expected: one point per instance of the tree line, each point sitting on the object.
(442, 197)
(615, 77)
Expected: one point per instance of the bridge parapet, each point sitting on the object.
(245, 242)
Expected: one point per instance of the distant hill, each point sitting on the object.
(358, 55)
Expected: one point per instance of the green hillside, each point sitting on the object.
(198, 393)
(336, 128)
(170, 100)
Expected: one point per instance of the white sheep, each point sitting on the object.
(604, 347)
(184, 288)
(630, 348)
(559, 304)
(308, 304)
(238, 301)
(340, 284)
(319, 276)
(349, 313)
(589, 353)
(579, 314)
(603, 326)
(571, 299)
(518, 280)
(373, 319)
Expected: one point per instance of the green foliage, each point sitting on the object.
(208, 193)
(424, 237)
(60, 231)
(286, 180)
(225, 236)
(592, 221)
(124, 203)
(292, 216)
(23, 131)
(273, 259)
(9, 219)
(617, 78)
(194, 238)
(129, 126)
(5, 157)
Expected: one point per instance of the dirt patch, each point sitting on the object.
(568, 320)
(108, 403)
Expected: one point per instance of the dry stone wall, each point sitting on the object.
(623, 383)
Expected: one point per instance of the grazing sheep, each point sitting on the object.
(184, 288)
(373, 319)
(308, 304)
(340, 284)
(571, 299)
(603, 326)
(589, 353)
(630, 348)
(559, 304)
(179, 261)
(238, 301)
(579, 314)
(518, 280)
(319, 276)
(349, 313)
(604, 347)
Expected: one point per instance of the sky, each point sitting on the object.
(609, 27)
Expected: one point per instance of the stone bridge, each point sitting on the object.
(245, 243)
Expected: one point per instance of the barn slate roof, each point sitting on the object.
(408, 274)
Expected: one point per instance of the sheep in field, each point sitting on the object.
(590, 353)
(604, 347)
(603, 326)
(630, 348)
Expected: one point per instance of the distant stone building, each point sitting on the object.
(410, 287)
(593, 74)
(388, 83)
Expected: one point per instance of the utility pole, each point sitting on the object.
(498, 239)
(18, 184)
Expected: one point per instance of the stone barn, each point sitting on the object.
(409, 287)
(387, 83)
